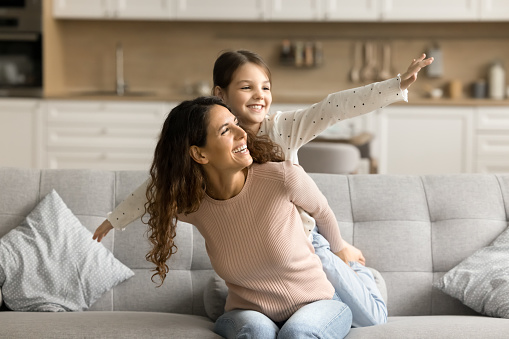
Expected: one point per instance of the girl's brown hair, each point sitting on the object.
(177, 182)
(228, 62)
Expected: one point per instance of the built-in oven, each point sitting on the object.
(21, 48)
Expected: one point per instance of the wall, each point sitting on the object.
(166, 56)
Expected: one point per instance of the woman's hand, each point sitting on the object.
(410, 75)
(351, 253)
(102, 230)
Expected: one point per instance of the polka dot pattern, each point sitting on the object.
(481, 281)
(51, 263)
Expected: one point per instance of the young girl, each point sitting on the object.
(243, 81)
(203, 174)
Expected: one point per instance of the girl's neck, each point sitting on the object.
(222, 186)
(253, 127)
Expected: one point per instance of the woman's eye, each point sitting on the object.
(225, 131)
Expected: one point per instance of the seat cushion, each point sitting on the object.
(436, 327)
(105, 325)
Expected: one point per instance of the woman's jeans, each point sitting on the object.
(358, 291)
(320, 319)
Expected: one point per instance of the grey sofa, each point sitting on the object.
(412, 229)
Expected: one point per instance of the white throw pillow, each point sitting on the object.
(51, 263)
(481, 281)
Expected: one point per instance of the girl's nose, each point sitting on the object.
(259, 94)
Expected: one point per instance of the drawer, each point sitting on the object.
(492, 166)
(102, 137)
(106, 113)
(493, 146)
(114, 161)
(493, 118)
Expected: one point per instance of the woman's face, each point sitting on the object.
(249, 95)
(226, 146)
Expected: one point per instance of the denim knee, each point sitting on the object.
(245, 324)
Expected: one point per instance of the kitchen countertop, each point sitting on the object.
(283, 99)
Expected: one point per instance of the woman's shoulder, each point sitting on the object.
(274, 170)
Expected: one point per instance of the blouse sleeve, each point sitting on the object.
(293, 129)
(132, 208)
(304, 193)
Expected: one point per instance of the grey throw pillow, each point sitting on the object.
(51, 263)
(481, 281)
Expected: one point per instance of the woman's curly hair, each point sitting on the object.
(177, 184)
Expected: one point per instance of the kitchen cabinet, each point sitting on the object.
(494, 10)
(19, 132)
(102, 134)
(301, 10)
(114, 9)
(492, 140)
(345, 10)
(431, 10)
(426, 140)
(221, 10)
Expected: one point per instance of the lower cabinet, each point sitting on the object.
(426, 140)
(20, 133)
(102, 134)
(492, 140)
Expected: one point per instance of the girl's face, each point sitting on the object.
(249, 95)
(226, 146)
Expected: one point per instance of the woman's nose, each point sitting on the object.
(240, 132)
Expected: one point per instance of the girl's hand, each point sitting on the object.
(351, 253)
(102, 230)
(410, 75)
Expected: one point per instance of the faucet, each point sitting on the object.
(121, 85)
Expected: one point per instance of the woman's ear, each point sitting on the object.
(197, 155)
(218, 92)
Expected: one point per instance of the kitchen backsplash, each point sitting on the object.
(172, 57)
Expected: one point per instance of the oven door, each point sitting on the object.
(20, 64)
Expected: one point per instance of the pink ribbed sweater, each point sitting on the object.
(257, 244)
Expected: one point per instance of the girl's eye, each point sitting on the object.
(245, 87)
(266, 88)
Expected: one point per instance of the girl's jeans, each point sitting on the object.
(320, 319)
(358, 291)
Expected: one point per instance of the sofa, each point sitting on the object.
(412, 229)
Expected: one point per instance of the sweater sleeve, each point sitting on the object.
(292, 129)
(130, 209)
(304, 193)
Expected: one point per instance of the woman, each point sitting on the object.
(203, 174)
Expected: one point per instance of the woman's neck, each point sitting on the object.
(221, 186)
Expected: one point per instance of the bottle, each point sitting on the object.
(496, 78)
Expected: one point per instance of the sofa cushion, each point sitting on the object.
(50, 262)
(481, 281)
(105, 325)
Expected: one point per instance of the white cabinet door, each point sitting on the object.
(79, 9)
(426, 140)
(144, 9)
(19, 133)
(295, 10)
(346, 10)
(102, 134)
(430, 10)
(492, 10)
(492, 145)
(114, 9)
(220, 10)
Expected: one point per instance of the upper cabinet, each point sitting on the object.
(430, 10)
(291, 10)
(220, 10)
(346, 10)
(114, 9)
(286, 10)
(494, 10)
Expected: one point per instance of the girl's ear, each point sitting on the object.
(218, 92)
(197, 155)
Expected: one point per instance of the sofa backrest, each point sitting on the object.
(412, 229)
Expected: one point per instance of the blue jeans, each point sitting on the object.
(328, 319)
(358, 291)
